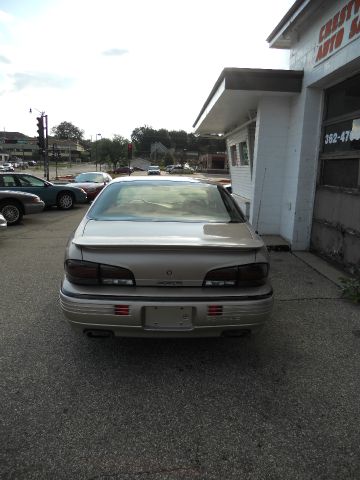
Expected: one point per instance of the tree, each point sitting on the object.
(179, 139)
(119, 150)
(67, 131)
(143, 137)
(112, 152)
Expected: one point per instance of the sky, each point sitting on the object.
(114, 65)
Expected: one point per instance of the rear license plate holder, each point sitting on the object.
(168, 318)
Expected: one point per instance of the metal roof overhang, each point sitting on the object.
(236, 94)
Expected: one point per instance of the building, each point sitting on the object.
(16, 144)
(293, 136)
(213, 162)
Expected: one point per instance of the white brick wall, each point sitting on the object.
(272, 131)
(281, 188)
(305, 124)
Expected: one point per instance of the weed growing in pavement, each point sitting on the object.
(351, 288)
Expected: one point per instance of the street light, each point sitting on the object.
(96, 137)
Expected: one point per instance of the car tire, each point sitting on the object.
(65, 201)
(12, 211)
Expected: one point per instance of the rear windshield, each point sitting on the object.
(89, 177)
(165, 201)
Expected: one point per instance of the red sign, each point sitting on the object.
(343, 27)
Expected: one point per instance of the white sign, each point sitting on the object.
(340, 30)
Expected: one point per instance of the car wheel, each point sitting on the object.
(65, 201)
(12, 212)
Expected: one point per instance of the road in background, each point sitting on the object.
(280, 405)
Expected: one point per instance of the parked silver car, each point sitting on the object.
(165, 256)
(14, 205)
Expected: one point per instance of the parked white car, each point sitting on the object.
(154, 170)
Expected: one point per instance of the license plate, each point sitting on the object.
(168, 318)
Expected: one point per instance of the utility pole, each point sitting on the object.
(129, 156)
(96, 149)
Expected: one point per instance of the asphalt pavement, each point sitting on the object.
(283, 404)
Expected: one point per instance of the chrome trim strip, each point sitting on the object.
(127, 298)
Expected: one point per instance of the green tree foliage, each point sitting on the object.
(142, 138)
(178, 140)
(112, 152)
(66, 130)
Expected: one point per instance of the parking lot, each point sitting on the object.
(280, 405)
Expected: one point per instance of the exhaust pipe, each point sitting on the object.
(98, 333)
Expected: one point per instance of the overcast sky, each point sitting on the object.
(114, 65)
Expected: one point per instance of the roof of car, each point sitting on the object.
(178, 179)
(83, 173)
(19, 173)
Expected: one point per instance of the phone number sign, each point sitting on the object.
(342, 136)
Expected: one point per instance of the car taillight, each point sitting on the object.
(116, 276)
(240, 276)
(83, 273)
(90, 273)
(222, 277)
(253, 274)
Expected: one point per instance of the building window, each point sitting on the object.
(340, 147)
(343, 98)
(233, 155)
(342, 136)
(341, 172)
(244, 153)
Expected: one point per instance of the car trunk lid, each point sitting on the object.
(172, 254)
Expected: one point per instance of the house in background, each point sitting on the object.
(293, 136)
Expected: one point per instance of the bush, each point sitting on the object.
(351, 289)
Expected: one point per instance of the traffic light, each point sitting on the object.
(41, 136)
(130, 151)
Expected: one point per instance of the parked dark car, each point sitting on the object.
(127, 170)
(63, 196)
(91, 182)
(14, 205)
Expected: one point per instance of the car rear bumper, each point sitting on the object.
(163, 317)
(34, 208)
